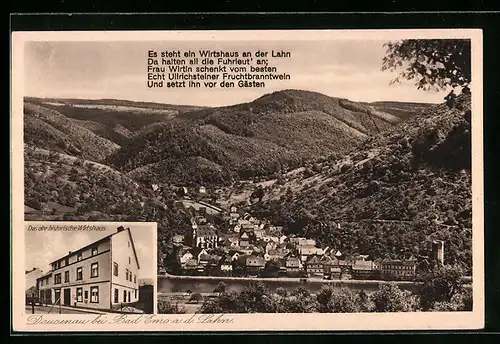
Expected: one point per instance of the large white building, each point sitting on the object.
(101, 275)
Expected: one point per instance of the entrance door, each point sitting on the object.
(67, 297)
(57, 296)
(116, 296)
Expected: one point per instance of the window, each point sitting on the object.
(66, 262)
(94, 294)
(116, 296)
(79, 294)
(129, 260)
(94, 270)
(126, 274)
(115, 269)
(129, 296)
(79, 257)
(135, 279)
(94, 250)
(79, 273)
(86, 294)
(135, 293)
(57, 278)
(129, 244)
(124, 296)
(66, 276)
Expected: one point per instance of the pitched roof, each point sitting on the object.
(292, 262)
(276, 252)
(120, 229)
(195, 250)
(206, 230)
(314, 260)
(255, 261)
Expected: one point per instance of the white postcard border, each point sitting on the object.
(252, 322)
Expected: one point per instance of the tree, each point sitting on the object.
(344, 300)
(220, 288)
(255, 298)
(196, 297)
(432, 63)
(390, 298)
(167, 307)
(226, 302)
(301, 300)
(440, 285)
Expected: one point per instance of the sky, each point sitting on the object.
(107, 69)
(43, 247)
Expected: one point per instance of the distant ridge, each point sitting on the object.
(275, 132)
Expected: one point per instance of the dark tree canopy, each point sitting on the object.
(432, 63)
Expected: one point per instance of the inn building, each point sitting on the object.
(101, 275)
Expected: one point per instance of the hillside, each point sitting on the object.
(49, 129)
(400, 109)
(399, 191)
(115, 120)
(277, 132)
(62, 187)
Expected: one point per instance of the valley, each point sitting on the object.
(396, 176)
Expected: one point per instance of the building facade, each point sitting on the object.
(398, 269)
(102, 275)
(31, 276)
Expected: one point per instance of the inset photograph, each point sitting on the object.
(90, 267)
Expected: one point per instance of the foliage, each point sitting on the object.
(344, 300)
(390, 298)
(220, 288)
(49, 129)
(280, 131)
(433, 63)
(256, 298)
(441, 285)
(392, 202)
(168, 307)
(196, 297)
(459, 302)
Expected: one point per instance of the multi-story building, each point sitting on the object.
(100, 275)
(31, 277)
(398, 269)
(314, 266)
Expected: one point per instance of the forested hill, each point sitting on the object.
(399, 191)
(278, 131)
(114, 120)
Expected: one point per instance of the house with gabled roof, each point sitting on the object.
(314, 266)
(254, 264)
(99, 275)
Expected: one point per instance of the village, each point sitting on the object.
(245, 246)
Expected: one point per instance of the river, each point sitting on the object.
(175, 284)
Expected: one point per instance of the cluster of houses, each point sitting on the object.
(246, 246)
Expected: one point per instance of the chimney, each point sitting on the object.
(120, 229)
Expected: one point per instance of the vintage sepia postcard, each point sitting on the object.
(210, 180)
